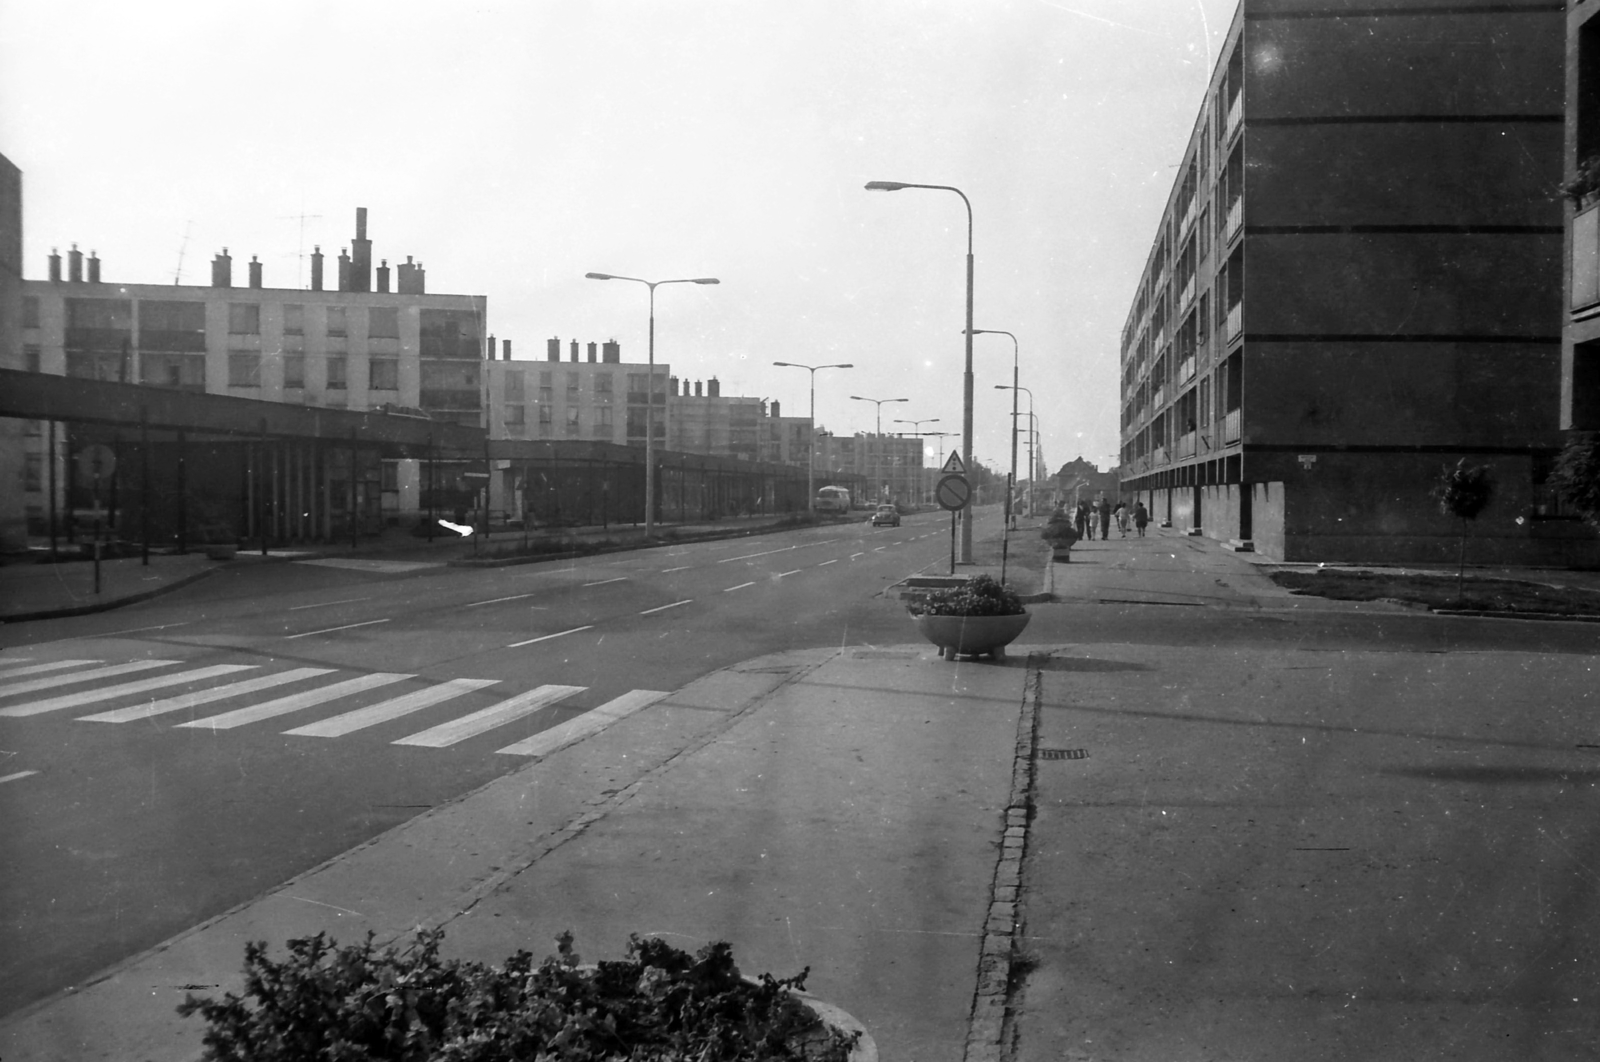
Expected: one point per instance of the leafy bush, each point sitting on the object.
(1584, 183)
(1463, 492)
(1577, 474)
(1060, 531)
(982, 596)
(360, 1004)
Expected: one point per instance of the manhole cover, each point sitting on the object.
(1063, 754)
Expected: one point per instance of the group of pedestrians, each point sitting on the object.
(1101, 512)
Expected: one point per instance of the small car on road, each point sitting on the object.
(886, 516)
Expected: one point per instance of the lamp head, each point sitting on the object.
(885, 186)
(598, 276)
(705, 280)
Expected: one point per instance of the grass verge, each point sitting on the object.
(1439, 592)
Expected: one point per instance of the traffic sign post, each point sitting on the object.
(94, 462)
(954, 493)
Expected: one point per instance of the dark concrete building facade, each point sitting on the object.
(1580, 348)
(1354, 284)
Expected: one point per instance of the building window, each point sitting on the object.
(183, 372)
(514, 386)
(603, 382)
(294, 370)
(383, 374)
(32, 466)
(336, 320)
(516, 415)
(244, 318)
(172, 326)
(573, 427)
(450, 334)
(390, 476)
(603, 418)
(383, 322)
(545, 416)
(31, 357)
(336, 379)
(573, 379)
(294, 319)
(244, 369)
(30, 311)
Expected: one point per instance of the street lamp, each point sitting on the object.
(650, 392)
(966, 390)
(811, 450)
(1015, 357)
(1014, 389)
(877, 471)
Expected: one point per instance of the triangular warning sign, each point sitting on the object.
(955, 465)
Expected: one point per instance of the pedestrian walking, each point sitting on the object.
(1141, 517)
(1105, 517)
(1080, 519)
(1120, 514)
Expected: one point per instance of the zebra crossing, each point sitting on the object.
(29, 689)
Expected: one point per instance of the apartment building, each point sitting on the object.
(1352, 285)
(1580, 340)
(15, 466)
(889, 465)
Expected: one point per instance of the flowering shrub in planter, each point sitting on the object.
(658, 1005)
(982, 617)
(982, 596)
(1061, 534)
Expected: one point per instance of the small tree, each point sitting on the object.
(1576, 475)
(1463, 491)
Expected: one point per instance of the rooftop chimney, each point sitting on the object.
(75, 265)
(505, 350)
(552, 349)
(222, 270)
(383, 276)
(55, 266)
(255, 272)
(410, 278)
(574, 350)
(774, 408)
(344, 269)
(611, 352)
(94, 268)
(713, 388)
(361, 255)
(697, 386)
(672, 386)
(594, 352)
(316, 267)
(490, 355)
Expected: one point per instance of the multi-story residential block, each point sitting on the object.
(889, 465)
(1353, 285)
(598, 399)
(1580, 346)
(361, 347)
(18, 470)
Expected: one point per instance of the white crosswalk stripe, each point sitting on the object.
(14, 661)
(591, 722)
(295, 702)
(372, 715)
(54, 665)
(12, 689)
(126, 689)
(486, 719)
(194, 700)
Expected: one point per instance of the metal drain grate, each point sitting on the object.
(1063, 754)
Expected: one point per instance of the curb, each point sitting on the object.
(105, 606)
(1489, 614)
(991, 1026)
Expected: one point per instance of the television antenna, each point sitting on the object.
(300, 252)
(177, 275)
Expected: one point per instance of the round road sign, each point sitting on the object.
(953, 492)
(96, 461)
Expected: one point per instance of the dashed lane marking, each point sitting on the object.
(497, 600)
(547, 637)
(415, 701)
(682, 568)
(603, 582)
(590, 722)
(378, 566)
(782, 574)
(330, 630)
(328, 604)
(106, 693)
(480, 722)
(827, 562)
(741, 586)
(16, 775)
(194, 700)
(663, 608)
(295, 701)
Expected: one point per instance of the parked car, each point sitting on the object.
(886, 516)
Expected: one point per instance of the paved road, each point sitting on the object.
(170, 760)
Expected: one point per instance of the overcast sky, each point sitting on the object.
(513, 147)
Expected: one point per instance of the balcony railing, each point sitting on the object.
(1234, 220)
(1185, 447)
(1586, 258)
(1230, 427)
(1235, 321)
(1188, 216)
(1186, 296)
(1235, 112)
(1186, 369)
(1158, 456)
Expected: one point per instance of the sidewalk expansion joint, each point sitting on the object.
(991, 1032)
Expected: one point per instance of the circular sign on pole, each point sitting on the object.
(953, 492)
(96, 461)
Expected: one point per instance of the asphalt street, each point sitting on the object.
(255, 724)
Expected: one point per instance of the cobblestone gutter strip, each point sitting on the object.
(989, 1029)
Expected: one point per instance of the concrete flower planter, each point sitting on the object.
(971, 635)
(865, 1049)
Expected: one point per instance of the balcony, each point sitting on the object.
(1186, 369)
(1185, 447)
(1234, 221)
(1235, 323)
(1230, 427)
(1188, 216)
(1235, 113)
(1186, 296)
(1586, 258)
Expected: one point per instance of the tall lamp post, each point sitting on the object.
(1015, 358)
(1013, 388)
(650, 392)
(966, 390)
(877, 463)
(811, 451)
(916, 429)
